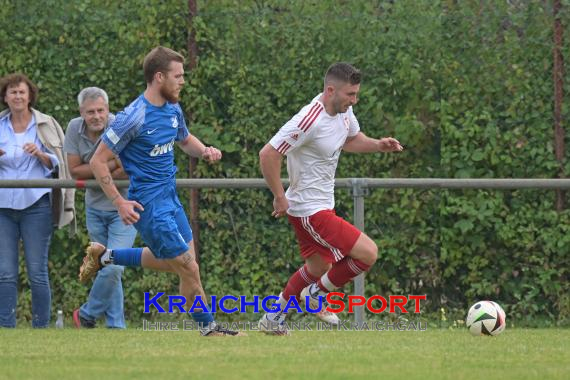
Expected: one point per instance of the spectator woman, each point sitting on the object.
(31, 147)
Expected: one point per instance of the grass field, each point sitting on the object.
(432, 354)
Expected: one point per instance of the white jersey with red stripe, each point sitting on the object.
(312, 141)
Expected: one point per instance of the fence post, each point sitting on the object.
(359, 190)
(194, 203)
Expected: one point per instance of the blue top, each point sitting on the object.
(17, 164)
(143, 135)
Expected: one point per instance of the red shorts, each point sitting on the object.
(324, 233)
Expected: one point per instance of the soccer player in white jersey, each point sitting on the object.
(334, 250)
(144, 135)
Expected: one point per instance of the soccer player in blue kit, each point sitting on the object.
(143, 136)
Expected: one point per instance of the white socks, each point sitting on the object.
(279, 316)
(107, 258)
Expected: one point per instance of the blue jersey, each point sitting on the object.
(143, 135)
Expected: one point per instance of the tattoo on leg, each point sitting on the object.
(187, 258)
(106, 180)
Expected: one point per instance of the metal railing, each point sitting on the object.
(358, 187)
(258, 183)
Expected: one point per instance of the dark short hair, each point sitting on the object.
(342, 72)
(158, 60)
(15, 79)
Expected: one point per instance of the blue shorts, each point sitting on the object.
(163, 226)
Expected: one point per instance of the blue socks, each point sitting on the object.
(131, 257)
(128, 257)
(203, 319)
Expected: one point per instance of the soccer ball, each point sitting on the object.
(486, 318)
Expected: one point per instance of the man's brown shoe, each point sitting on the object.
(91, 262)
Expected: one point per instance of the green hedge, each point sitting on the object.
(466, 87)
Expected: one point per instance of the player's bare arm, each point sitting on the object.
(195, 148)
(100, 168)
(364, 144)
(270, 162)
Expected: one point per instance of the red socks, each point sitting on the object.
(298, 281)
(341, 273)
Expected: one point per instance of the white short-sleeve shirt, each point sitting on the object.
(312, 141)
